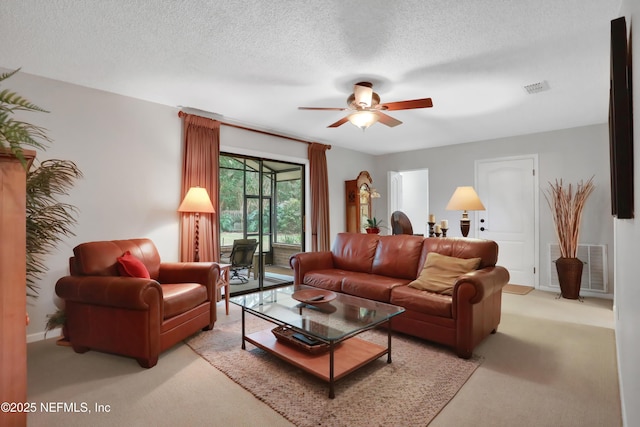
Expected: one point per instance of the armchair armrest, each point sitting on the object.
(205, 273)
(303, 262)
(110, 291)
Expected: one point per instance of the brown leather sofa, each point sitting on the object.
(133, 316)
(380, 268)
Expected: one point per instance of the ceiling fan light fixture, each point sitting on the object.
(363, 92)
(363, 119)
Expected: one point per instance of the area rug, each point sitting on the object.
(517, 289)
(410, 391)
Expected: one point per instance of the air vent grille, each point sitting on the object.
(537, 87)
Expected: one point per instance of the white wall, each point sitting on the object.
(571, 154)
(130, 152)
(627, 236)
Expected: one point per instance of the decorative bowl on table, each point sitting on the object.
(314, 296)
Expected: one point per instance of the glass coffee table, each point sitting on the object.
(317, 331)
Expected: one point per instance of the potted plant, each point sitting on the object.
(48, 219)
(373, 225)
(58, 320)
(566, 207)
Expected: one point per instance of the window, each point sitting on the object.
(262, 199)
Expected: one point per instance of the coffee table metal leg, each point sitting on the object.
(331, 391)
(243, 346)
(389, 341)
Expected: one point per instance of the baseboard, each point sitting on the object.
(583, 293)
(40, 336)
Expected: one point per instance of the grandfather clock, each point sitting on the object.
(358, 202)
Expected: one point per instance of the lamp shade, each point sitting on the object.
(465, 199)
(197, 200)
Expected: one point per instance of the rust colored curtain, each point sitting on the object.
(319, 186)
(200, 169)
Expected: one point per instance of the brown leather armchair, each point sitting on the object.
(132, 316)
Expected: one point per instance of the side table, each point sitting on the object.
(223, 282)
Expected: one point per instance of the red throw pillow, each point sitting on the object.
(128, 265)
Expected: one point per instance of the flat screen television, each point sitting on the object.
(621, 122)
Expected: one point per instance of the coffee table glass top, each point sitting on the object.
(340, 318)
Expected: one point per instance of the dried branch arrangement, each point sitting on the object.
(566, 208)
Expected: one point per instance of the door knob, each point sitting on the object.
(481, 228)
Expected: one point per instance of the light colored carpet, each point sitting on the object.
(408, 392)
(517, 289)
(552, 363)
(181, 390)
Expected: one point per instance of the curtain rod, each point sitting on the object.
(182, 114)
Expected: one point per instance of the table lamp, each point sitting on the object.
(197, 201)
(465, 199)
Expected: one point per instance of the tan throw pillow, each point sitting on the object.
(440, 272)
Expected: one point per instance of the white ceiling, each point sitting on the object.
(255, 62)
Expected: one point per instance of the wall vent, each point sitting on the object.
(594, 273)
(537, 87)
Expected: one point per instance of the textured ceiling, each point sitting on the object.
(255, 62)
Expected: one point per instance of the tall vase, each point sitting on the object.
(570, 277)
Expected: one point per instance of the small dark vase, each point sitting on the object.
(373, 230)
(570, 276)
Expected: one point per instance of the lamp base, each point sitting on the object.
(196, 243)
(465, 225)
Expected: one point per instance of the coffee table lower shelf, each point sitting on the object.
(348, 355)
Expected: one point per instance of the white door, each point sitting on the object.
(507, 188)
(395, 191)
(403, 186)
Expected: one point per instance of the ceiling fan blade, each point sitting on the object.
(322, 108)
(339, 122)
(387, 120)
(407, 105)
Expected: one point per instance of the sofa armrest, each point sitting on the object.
(109, 291)
(478, 285)
(303, 262)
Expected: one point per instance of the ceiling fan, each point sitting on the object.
(366, 108)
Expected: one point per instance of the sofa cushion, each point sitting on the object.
(130, 266)
(440, 272)
(422, 301)
(462, 247)
(398, 256)
(354, 252)
(181, 297)
(330, 279)
(371, 286)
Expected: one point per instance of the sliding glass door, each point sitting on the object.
(261, 200)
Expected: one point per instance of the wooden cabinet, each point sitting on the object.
(13, 292)
(358, 202)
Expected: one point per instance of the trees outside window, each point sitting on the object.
(282, 189)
